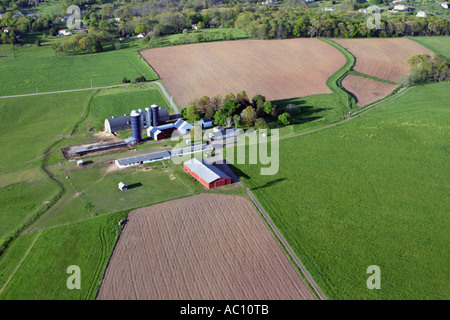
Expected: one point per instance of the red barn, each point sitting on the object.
(206, 173)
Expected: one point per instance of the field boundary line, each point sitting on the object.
(280, 237)
(19, 264)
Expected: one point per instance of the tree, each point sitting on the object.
(140, 28)
(192, 114)
(125, 80)
(220, 117)
(209, 111)
(216, 101)
(284, 118)
(268, 107)
(249, 116)
(275, 112)
(229, 96)
(241, 95)
(260, 123)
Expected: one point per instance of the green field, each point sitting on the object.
(42, 273)
(121, 100)
(372, 191)
(37, 69)
(440, 45)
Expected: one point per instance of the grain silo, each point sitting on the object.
(136, 126)
(155, 115)
(141, 117)
(148, 118)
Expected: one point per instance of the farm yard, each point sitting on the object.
(280, 69)
(201, 247)
(366, 90)
(382, 58)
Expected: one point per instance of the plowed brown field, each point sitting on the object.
(202, 247)
(382, 58)
(277, 69)
(366, 90)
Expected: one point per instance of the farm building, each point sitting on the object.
(183, 127)
(122, 186)
(220, 133)
(133, 161)
(155, 133)
(166, 130)
(159, 115)
(207, 123)
(206, 173)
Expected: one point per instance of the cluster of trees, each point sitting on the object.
(79, 43)
(19, 25)
(425, 68)
(235, 109)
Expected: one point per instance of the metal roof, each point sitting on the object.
(205, 170)
(144, 158)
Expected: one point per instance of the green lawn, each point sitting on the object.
(37, 69)
(440, 45)
(372, 191)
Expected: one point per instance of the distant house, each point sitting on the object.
(309, 1)
(194, 27)
(363, 10)
(400, 7)
(421, 14)
(140, 35)
(207, 123)
(398, 1)
(328, 9)
(64, 32)
(268, 2)
(444, 5)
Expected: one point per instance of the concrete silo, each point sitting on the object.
(155, 115)
(136, 126)
(148, 118)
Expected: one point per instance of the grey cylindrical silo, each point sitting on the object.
(135, 126)
(155, 115)
(141, 117)
(148, 117)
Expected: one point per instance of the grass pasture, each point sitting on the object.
(439, 45)
(42, 274)
(372, 191)
(37, 69)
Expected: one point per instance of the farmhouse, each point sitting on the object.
(206, 173)
(444, 5)
(64, 33)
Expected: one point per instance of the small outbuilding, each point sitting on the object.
(122, 186)
(207, 123)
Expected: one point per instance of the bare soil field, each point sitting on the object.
(277, 69)
(382, 58)
(204, 247)
(366, 90)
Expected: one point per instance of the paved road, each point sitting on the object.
(305, 273)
